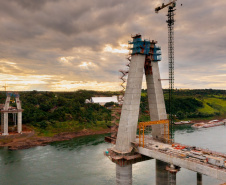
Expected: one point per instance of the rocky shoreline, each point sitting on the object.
(26, 141)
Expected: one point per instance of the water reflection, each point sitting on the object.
(9, 156)
(187, 128)
(79, 143)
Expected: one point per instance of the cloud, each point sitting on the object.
(85, 41)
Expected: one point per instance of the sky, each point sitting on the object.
(66, 45)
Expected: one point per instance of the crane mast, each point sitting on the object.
(170, 23)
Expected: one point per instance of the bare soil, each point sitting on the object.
(30, 139)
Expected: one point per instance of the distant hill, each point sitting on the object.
(203, 103)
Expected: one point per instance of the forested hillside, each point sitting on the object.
(204, 103)
(66, 111)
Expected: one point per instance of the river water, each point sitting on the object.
(80, 161)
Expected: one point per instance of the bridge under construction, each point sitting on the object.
(131, 148)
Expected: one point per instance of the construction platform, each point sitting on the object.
(199, 160)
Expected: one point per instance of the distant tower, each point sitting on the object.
(6, 109)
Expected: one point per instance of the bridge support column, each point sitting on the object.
(19, 122)
(199, 179)
(161, 173)
(172, 178)
(124, 175)
(5, 124)
(172, 170)
(2, 122)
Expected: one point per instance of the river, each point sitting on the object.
(80, 161)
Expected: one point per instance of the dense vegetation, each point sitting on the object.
(62, 111)
(203, 103)
(66, 111)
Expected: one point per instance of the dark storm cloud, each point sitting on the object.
(69, 19)
(30, 4)
(35, 34)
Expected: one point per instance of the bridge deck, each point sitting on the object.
(183, 158)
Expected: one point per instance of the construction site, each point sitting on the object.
(6, 109)
(136, 142)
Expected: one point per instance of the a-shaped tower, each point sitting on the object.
(14, 110)
(145, 55)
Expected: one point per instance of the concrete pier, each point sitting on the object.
(124, 175)
(2, 122)
(131, 105)
(172, 178)
(172, 172)
(5, 124)
(19, 122)
(162, 175)
(199, 179)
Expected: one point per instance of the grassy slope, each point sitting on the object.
(213, 105)
(207, 109)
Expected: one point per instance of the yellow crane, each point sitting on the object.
(5, 86)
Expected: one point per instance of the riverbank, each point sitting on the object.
(25, 141)
(30, 139)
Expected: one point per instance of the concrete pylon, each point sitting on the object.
(131, 105)
(156, 100)
(18, 103)
(19, 115)
(145, 55)
(130, 109)
(4, 119)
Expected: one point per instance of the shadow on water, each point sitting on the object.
(186, 128)
(79, 143)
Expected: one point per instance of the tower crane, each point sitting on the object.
(170, 22)
(5, 86)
